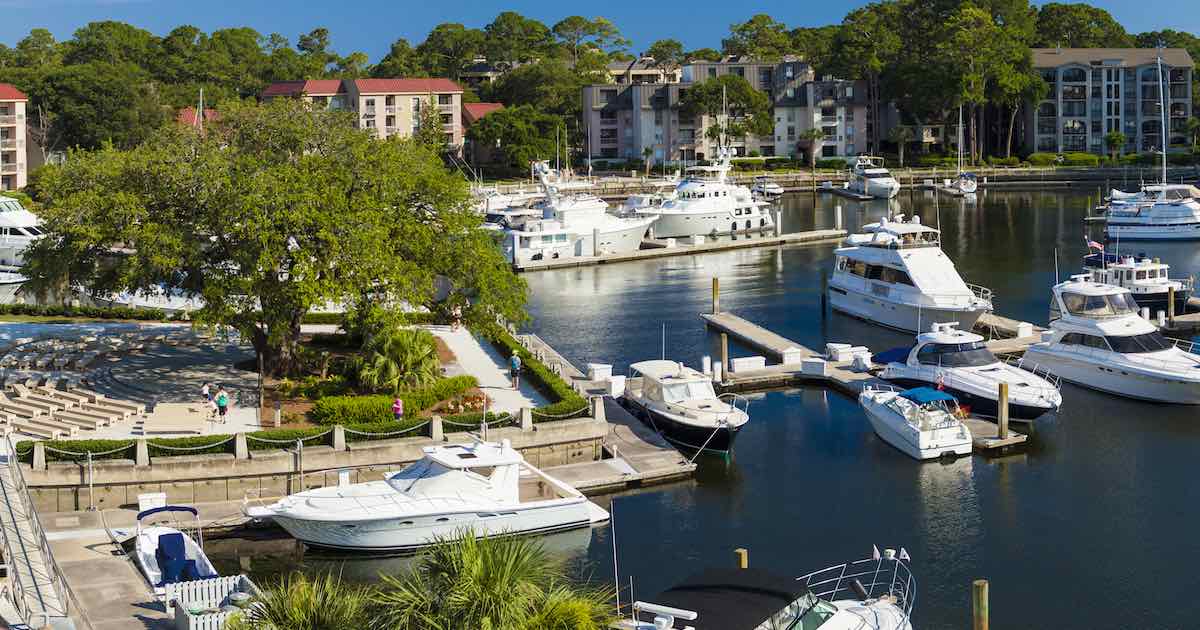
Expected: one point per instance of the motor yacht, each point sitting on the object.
(765, 187)
(1147, 280)
(679, 403)
(18, 229)
(869, 177)
(1098, 340)
(875, 593)
(895, 274)
(484, 488)
(923, 423)
(1149, 193)
(960, 363)
(707, 204)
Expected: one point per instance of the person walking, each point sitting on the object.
(514, 370)
(398, 409)
(206, 392)
(222, 404)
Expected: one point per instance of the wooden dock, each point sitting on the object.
(844, 192)
(840, 376)
(680, 249)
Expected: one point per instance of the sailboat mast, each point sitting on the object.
(960, 139)
(1162, 102)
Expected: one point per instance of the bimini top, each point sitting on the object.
(926, 395)
(733, 599)
(463, 456)
(661, 370)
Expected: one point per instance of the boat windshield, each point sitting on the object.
(883, 175)
(692, 390)
(813, 613)
(1134, 344)
(1111, 305)
(974, 354)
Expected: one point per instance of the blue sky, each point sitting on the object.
(371, 25)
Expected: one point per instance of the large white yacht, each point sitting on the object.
(576, 225)
(705, 203)
(679, 403)
(896, 274)
(960, 363)
(485, 488)
(869, 177)
(1148, 280)
(18, 229)
(922, 423)
(1098, 340)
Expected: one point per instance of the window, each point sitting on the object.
(849, 91)
(1074, 75)
(974, 354)
(447, 119)
(391, 121)
(829, 151)
(858, 268)
(790, 92)
(712, 73)
(1099, 305)
(370, 123)
(1074, 92)
(445, 99)
(738, 71)
(608, 115)
(895, 276)
(370, 103)
(389, 101)
(608, 134)
(765, 76)
(791, 132)
(694, 390)
(608, 96)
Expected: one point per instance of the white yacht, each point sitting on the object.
(485, 488)
(960, 363)
(875, 593)
(18, 229)
(1098, 340)
(1149, 193)
(895, 274)
(1147, 279)
(679, 403)
(869, 177)
(578, 225)
(923, 423)
(705, 203)
(765, 187)
(166, 555)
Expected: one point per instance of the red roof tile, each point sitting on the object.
(10, 93)
(312, 87)
(405, 86)
(187, 116)
(474, 111)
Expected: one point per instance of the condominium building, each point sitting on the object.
(386, 107)
(13, 164)
(1095, 91)
(623, 120)
(471, 114)
(643, 70)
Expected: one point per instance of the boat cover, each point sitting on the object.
(926, 395)
(733, 599)
(895, 355)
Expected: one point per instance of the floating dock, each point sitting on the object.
(843, 192)
(838, 375)
(658, 249)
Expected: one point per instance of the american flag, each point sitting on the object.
(1092, 244)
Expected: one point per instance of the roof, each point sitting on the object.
(1051, 57)
(1087, 287)
(943, 333)
(474, 455)
(10, 93)
(660, 370)
(926, 395)
(474, 111)
(311, 87)
(187, 115)
(405, 86)
(732, 599)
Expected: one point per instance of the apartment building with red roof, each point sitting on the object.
(14, 166)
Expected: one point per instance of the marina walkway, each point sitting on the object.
(488, 368)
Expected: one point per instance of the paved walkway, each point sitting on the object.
(488, 367)
(22, 551)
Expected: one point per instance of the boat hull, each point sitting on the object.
(1152, 232)
(897, 315)
(671, 225)
(717, 440)
(1158, 301)
(981, 405)
(886, 190)
(1126, 383)
(944, 442)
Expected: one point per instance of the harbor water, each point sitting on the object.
(1091, 525)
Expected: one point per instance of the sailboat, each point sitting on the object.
(965, 182)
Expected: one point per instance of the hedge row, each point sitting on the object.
(346, 410)
(565, 398)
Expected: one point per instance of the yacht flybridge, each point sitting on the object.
(896, 274)
(485, 488)
(1098, 340)
(706, 203)
(959, 363)
(1148, 280)
(679, 403)
(869, 177)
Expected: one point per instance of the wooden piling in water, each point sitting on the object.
(716, 298)
(979, 605)
(1002, 410)
(724, 355)
(1171, 304)
(743, 557)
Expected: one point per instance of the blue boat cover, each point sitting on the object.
(926, 395)
(895, 355)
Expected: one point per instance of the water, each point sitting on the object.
(1092, 526)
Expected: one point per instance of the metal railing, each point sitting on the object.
(1133, 360)
(62, 588)
(1036, 370)
(870, 573)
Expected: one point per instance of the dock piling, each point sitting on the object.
(743, 557)
(1171, 304)
(1002, 411)
(716, 298)
(724, 353)
(979, 605)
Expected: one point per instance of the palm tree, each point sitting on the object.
(1115, 141)
(814, 137)
(321, 603)
(646, 154)
(901, 135)
(1193, 129)
(493, 583)
(396, 359)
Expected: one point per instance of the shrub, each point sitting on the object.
(1080, 159)
(938, 161)
(286, 435)
(314, 387)
(347, 410)
(836, 164)
(323, 318)
(1008, 161)
(92, 312)
(193, 443)
(81, 447)
(1042, 159)
(542, 378)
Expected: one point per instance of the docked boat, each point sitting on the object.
(484, 488)
(766, 188)
(875, 593)
(707, 204)
(166, 555)
(19, 228)
(895, 274)
(869, 177)
(1099, 341)
(1148, 280)
(679, 403)
(923, 423)
(960, 363)
(965, 182)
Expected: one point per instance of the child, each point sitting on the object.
(398, 409)
(222, 403)
(204, 391)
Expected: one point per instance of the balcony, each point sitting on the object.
(9, 143)
(8, 168)
(370, 111)
(10, 119)
(390, 130)
(390, 109)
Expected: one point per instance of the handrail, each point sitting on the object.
(1141, 359)
(901, 584)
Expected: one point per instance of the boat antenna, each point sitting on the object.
(1162, 103)
(612, 527)
(1055, 265)
(664, 340)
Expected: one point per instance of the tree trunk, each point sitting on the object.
(279, 346)
(901, 143)
(1012, 122)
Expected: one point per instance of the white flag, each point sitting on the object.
(904, 555)
(874, 552)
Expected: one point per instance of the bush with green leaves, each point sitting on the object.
(324, 602)
(360, 409)
(538, 374)
(395, 359)
(1042, 159)
(1078, 158)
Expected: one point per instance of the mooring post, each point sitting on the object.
(743, 557)
(724, 354)
(39, 456)
(1002, 410)
(979, 605)
(1171, 304)
(716, 302)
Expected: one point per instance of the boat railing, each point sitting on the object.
(980, 292)
(1136, 359)
(1036, 370)
(736, 402)
(885, 576)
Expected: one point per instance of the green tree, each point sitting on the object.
(98, 102)
(812, 138)
(449, 48)
(971, 54)
(1079, 26)
(430, 131)
(513, 39)
(509, 583)
(815, 45)
(702, 54)
(647, 153)
(1115, 142)
(38, 49)
(749, 108)
(901, 135)
(298, 601)
(395, 359)
(865, 46)
(1193, 131)
(551, 85)
(274, 209)
(600, 34)
(314, 50)
(114, 43)
(521, 134)
(400, 61)
(667, 53)
(760, 37)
